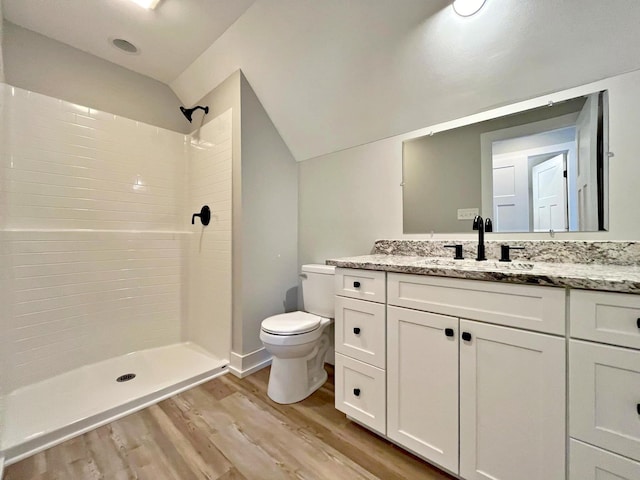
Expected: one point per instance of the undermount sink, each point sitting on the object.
(471, 264)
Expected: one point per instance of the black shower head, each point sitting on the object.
(188, 112)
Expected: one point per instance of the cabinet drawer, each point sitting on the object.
(362, 284)
(360, 330)
(591, 463)
(605, 317)
(361, 392)
(605, 397)
(535, 308)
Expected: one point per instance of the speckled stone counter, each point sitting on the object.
(552, 251)
(622, 277)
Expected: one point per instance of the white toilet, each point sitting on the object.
(298, 341)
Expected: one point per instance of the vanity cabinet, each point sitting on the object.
(360, 345)
(505, 386)
(604, 372)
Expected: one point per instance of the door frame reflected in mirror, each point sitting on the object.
(518, 123)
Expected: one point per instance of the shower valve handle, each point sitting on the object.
(205, 216)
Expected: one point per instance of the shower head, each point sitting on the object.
(188, 112)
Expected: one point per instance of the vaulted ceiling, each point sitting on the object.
(169, 37)
(333, 74)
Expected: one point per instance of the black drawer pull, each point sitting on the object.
(356, 392)
(638, 322)
(356, 330)
(356, 284)
(638, 408)
(466, 336)
(448, 332)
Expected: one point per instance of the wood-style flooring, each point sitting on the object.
(229, 429)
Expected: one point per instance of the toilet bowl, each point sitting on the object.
(298, 341)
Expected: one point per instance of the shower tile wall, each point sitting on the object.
(92, 218)
(209, 307)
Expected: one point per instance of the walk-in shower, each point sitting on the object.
(102, 272)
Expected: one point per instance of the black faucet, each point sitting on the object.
(482, 226)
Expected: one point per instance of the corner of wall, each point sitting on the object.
(269, 220)
(221, 98)
(244, 365)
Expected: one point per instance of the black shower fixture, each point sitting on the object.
(188, 112)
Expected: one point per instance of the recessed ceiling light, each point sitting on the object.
(124, 45)
(150, 4)
(466, 8)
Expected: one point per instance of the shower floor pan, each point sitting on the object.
(46, 413)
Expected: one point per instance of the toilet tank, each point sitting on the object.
(318, 289)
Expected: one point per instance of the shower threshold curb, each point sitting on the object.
(15, 453)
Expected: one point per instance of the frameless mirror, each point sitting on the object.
(533, 171)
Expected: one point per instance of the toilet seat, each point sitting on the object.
(292, 323)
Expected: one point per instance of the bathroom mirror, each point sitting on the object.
(533, 171)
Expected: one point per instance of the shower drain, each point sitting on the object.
(126, 377)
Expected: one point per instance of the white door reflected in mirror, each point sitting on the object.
(544, 177)
(549, 188)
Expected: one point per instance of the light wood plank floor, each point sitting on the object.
(229, 429)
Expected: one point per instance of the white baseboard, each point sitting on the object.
(244, 365)
(1, 467)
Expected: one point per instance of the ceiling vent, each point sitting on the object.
(124, 45)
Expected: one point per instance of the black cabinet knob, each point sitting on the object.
(356, 392)
(638, 408)
(448, 332)
(356, 284)
(638, 322)
(466, 336)
(356, 330)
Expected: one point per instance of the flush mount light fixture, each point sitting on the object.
(466, 8)
(148, 4)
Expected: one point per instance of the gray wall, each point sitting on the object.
(40, 64)
(269, 221)
(349, 199)
(441, 174)
(2, 79)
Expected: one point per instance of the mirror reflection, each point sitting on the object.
(534, 171)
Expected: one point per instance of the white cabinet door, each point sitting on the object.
(422, 384)
(512, 404)
(591, 463)
(605, 396)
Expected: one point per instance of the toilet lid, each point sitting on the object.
(293, 323)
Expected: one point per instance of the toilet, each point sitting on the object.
(298, 341)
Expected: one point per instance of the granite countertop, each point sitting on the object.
(614, 278)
